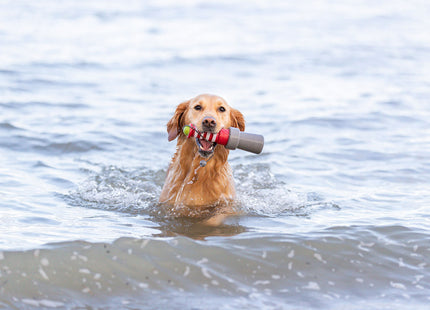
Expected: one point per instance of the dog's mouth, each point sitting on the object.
(205, 148)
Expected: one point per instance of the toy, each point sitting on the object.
(231, 138)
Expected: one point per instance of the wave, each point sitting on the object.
(251, 270)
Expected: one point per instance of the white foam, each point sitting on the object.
(260, 192)
(116, 189)
(312, 286)
(44, 262)
(44, 303)
(398, 285)
(43, 274)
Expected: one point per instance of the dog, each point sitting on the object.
(192, 190)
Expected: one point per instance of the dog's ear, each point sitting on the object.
(174, 126)
(237, 119)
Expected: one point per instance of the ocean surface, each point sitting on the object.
(336, 210)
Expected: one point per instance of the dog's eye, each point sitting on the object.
(198, 107)
(221, 109)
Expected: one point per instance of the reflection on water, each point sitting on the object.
(196, 229)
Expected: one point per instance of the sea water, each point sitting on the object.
(335, 211)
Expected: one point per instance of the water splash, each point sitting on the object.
(117, 189)
(261, 193)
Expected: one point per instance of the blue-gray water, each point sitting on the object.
(336, 211)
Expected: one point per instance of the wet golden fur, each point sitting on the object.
(190, 190)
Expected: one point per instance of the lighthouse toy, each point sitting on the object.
(231, 138)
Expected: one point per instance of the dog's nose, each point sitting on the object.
(209, 123)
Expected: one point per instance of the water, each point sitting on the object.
(335, 211)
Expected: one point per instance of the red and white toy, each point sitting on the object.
(231, 138)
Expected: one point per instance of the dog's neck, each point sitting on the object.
(192, 181)
(190, 160)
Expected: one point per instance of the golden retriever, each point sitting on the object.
(191, 190)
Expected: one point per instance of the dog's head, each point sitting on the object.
(209, 113)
